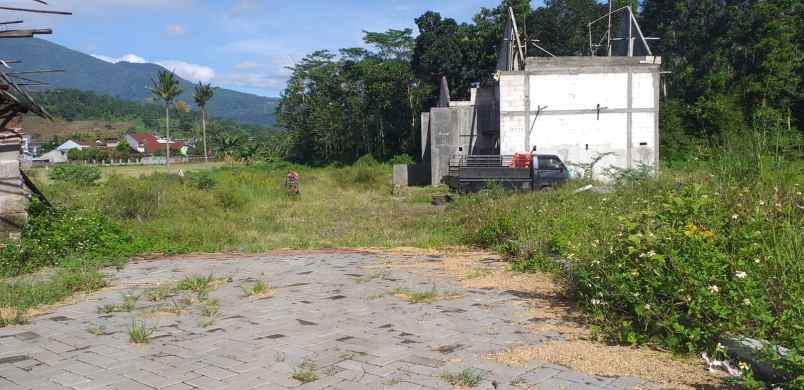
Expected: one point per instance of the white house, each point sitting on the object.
(70, 145)
(54, 156)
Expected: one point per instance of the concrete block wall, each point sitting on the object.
(14, 199)
(579, 107)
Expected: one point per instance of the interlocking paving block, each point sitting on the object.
(340, 316)
(26, 336)
(424, 361)
(14, 359)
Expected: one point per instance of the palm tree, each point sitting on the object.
(166, 87)
(203, 93)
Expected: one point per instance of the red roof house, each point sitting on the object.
(147, 143)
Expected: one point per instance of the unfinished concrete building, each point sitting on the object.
(16, 189)
(578, 108)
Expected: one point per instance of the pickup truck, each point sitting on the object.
(475, 172)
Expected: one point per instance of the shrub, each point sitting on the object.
(76, 174)
(201, 180)
(230, 198)
(130, 198)
(365, 172)
(402, 159)
(54, 237)
(673, 263)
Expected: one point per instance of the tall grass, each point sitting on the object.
(704, 250)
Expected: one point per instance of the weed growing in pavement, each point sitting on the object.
(139, 332)
(465, 378)
(159, 293)
(196, 283)
(305, 372)
(412, 296)
(258, 289)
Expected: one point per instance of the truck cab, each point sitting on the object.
(550, 172)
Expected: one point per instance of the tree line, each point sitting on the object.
(733, 67)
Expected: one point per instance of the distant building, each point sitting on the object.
(147, 143)
(107, 143)
(70, 145)
(54, 156)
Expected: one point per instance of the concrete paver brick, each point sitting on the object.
(331, 309)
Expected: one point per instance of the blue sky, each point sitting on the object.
(238, 44)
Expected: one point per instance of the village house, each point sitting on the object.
(149, 144)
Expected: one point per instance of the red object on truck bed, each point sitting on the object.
(521, 160)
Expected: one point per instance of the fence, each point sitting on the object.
(122, 162)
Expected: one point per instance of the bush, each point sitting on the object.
(230, 198)
(366, 172)
(76, 174)
(676, 263)
(130, 198)
(201, 180)
(53, 237)
(405, 159)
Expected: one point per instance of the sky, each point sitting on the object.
(244, 45)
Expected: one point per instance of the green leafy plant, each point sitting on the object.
(75, 174)
(54, 237)
(305, 372)
(258, 289)
(196, 283)
(465, 378)
(402, 159)
(230, 199)
(418, 296)
(139, 332)
(160, 293)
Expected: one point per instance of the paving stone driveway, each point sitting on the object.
(334, 311)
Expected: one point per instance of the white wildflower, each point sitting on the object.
(596, 302)
(647, 306)
(714, 289)
(735, 216)
(747, 302)
(740, 274)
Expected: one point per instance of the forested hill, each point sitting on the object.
(74, 106)
(125, 80)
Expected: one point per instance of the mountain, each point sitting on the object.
(124, 80)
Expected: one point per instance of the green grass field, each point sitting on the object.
(247, 209)
(40, 174)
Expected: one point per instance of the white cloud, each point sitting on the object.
(271, 75)
(185, 70)
(132, 58)
(175, 29)
(188, 71)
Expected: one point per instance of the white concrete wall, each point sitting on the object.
(569, 125)
(578, 91)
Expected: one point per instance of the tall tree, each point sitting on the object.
(202, 94)
(166, 87)
(561, 26)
